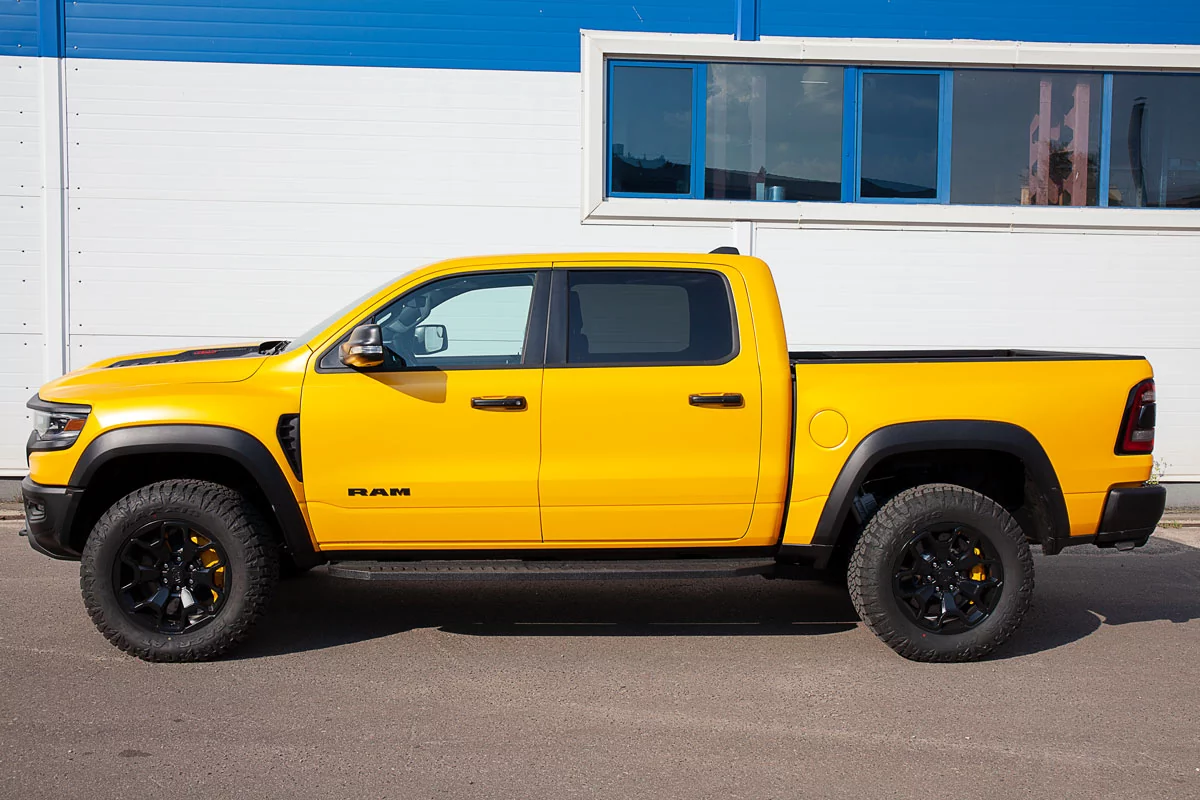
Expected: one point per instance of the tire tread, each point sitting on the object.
(240, 518)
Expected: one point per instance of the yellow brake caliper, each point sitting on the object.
(978, 573)
(210, 558)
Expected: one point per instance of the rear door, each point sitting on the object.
(651, 406)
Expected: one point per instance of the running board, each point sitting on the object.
(510, 569)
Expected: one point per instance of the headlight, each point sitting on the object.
(56, 426)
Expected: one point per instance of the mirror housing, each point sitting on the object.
(364, 348)
(429, 339)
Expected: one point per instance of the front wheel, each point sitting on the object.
(179, 571)
(941, 573)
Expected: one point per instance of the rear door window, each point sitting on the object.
(649, 316)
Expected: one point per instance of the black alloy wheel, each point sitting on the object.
(179, 570)
(171, 577)
(941, 572)
(948, 578)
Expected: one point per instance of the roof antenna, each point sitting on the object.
(724, 251)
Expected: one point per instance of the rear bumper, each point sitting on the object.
(1131, 513)
(48, 514)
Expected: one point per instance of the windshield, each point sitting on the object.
(315, 330)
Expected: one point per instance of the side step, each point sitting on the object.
(511, 569)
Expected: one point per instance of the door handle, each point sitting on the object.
(727, 400)
(499, 403)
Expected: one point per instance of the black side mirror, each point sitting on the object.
(429, 339)
(364, 348)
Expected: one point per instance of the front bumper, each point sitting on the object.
(49, 511)
(1131, 513)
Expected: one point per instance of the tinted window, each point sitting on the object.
(1155, 141)
(648, 316)
(1004, 152)
(773, 132)
(899, 142)
(651, 130)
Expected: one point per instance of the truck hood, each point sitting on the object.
(221, 364)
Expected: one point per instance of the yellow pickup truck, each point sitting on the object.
(583, 415)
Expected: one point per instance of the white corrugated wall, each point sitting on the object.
(222, 202)
(21, 214)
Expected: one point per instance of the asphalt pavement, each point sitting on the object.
(728, 688)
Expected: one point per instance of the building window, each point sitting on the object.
(1155, 155)
(1026, 138)
(899, 131)
(774, 132)
(651, 130)
(1003, 137)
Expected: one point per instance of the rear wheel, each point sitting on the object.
(941, 573)
(179, 571)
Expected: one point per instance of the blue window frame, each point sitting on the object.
(620, 156)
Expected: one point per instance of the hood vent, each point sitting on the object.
(203, 354)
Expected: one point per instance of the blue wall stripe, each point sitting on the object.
(528, 35)
(18, 27)
(1119, 21)
(466, 34)
(50, 28)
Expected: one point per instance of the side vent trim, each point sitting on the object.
(288, 432)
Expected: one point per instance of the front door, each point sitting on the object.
(652, 408)
(439, 447)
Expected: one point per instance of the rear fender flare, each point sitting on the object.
(912, 437)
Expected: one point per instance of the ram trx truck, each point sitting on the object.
(583, 415)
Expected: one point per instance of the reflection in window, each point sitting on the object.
(774, 132)
(651, 130)
(899, 136)
(1155, 141)
(1025, 138)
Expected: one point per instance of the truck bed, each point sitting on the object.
(869, 356)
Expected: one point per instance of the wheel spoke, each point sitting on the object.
(967, 561)
(158, 547)
(205, 578)
(974, 590)
(156, 602)
(922, 595)
(145, 574)
(950, 609)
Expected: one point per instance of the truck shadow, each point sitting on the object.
(1075, 596)
(1079, 592)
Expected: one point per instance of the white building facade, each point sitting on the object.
(1022, 174)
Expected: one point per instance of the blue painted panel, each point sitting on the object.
(18, 27)
(467, 34)
(1120, 21)
(747, 20)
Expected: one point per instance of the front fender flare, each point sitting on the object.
(239, 446)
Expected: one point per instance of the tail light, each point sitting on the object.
(1137, 428)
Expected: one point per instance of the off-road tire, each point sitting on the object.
(231, 520)
(872, 564)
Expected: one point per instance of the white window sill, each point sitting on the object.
(895, 215)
